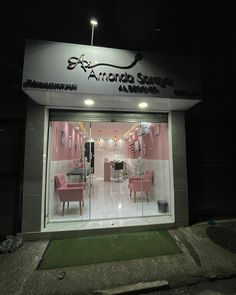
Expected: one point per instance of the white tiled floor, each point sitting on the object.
(110, 207)
(109, 200)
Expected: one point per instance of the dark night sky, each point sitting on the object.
(200, 28)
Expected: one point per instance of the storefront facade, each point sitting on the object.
(59, 77)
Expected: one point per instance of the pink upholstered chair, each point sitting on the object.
(69, 191)
(141, 184)
(148, 175)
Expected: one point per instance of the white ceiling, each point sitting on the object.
(105, 130)
(106, 102)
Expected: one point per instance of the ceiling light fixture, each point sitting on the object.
(143, 105)
(89, 102)
(115, 137)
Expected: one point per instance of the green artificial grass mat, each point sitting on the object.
(106, 248)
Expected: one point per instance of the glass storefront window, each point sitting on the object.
(107, 170)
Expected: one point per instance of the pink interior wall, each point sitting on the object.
(126, 149)
(65, 152)
(154, 144)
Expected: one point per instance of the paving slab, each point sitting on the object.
(201, 260)
(135, 288)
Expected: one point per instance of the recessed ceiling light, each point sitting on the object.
(143, 105)
(89, 102)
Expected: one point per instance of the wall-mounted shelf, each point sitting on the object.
(131, 150)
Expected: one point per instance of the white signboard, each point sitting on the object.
(88, 70)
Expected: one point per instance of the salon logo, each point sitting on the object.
(73, 62)
(125, 81)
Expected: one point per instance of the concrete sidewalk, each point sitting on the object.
(201, 260)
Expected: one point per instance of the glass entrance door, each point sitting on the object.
(110, 192)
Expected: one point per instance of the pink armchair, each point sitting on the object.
(141, 184)
(69, 191)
